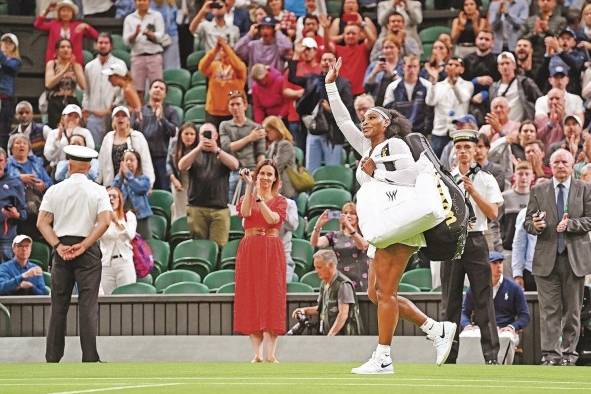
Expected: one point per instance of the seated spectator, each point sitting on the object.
(546, 22)
(208, 215)
(65, 26)
(292, 221)
(225, 73)
(242, 138)
(559, 79)
(120, 78)
(61, 169)
(119, 140)
(36, 132)
(58, 138)
(12, 200)
(407, 95)
(522, 254)
(337, 309)
(19, 276)
(563, 50)
(117, 254)
(267, 92)
(62, 75)
(135, 186)
(284, 18)
(511, 312)
(465, 28)
(281, 151)
(171, 57)
(572, 139)
(349, 15)
(207, 33)
(159, 122)
(381, 73)
(142, 32)
(506, 19)
(348, 244)
(182, 144)
(10, 64)
(410, 11)
(515, 199)
(498, 123)
(534, 153)
(434, 69)
(396, 27)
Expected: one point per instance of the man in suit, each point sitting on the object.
(559, 213)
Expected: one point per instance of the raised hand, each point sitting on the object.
(333, 72)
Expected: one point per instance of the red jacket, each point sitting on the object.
(267, 99)
(54, 27)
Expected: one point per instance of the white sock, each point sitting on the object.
(430, 326)
(383, 350)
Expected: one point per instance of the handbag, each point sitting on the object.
(143, 259)
(166, 40)
(300, 178)
(390, 213)
(316, 123)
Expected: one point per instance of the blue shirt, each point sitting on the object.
(135, 188)
(11, 276)
(169, 16)
(524, 247)
(9, 67)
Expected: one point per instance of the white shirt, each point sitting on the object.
(574, 105)
(565, 191)
(447, 105)
(75, 204)
(100, 94)
(54, 148)
(116, 241)
(488, 188)
(497, 287)
(141, 44)
(516, 112)
(96, 6)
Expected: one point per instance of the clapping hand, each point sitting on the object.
(246, 176)
(333, 72)
(561, 227)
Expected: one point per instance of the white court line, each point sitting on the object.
(116, 388)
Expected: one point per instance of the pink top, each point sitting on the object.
(54, 29)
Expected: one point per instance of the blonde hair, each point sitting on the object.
(352, 206)
(276, 123)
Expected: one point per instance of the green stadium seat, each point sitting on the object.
(323, 199)
(419, 277)
(302, 253)
(195, 95)
(161, 202)
(179, 232)
(118, 42)
(195, 114)
(3, 9)
(408, 288)
(429, 34)
(180, 112)
(236, 229)
(299, 154)
(197, 255)
(158, 226)
(312, 280)
(124, 55)
(426, 55)
(146, 279)
(193, 60)
(299, 232)
(217, 279)
(302, 203)
(228, 254)
(297, 287)
(5, 319)
(178, 77)
(47, 279)
(294, 278)
(174, 96)
(228, 288)
(198, 79)
(175, 276)
(88, 56)
(135, 288)
(333, 176)
(332, 225)
(186, 288)
(161, 253)
(40, 254)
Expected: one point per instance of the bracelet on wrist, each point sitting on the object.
(57, 244)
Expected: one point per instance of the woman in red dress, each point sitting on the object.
(259, 303)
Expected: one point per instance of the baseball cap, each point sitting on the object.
(268, 21)
(575, 117)
(558, 66)
(505, 55)
(569, 32)
(115, 69)
(495, 256)
(79, 153)
(11, 37)
(118, 109)
(465, 119)
(309, 42)
(20, 238)
(72, 108)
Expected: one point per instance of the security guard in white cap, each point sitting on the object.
(73, 215)
(485, 197)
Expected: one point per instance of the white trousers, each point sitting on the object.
(119, 273)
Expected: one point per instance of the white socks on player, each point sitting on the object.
(383, 350)
(431, 327)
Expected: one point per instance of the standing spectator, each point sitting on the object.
(259, 303)
(158, 123)
(64, 27)
(135, 186)
(465, 28)
(267, 92)
(124, 8)
(264, 44)
(534, 154)
(409, 9)
(561, 257)
(292, 221)
(362, 104)
(286, 19)
(481, 157)
(98, 8)
(12, 198)
(522, 254)
(434, 69)
(349, 15)
(497, 120)
(36, 132)
(237, 16)
(120, 78)
(208, 215)
(61, 169)
(207, 32)
(449, 98)
(116, 250)
(241, 137)
(480, 66)
(573, 103)
(281, 151)
(10, 64)
(143, 31)
(524, 54)
(309, 24)
(347, 243)
(185, 141)
(396, 29)
(62, 75)
(381, 73)
(407, 95)
(18, 276)
(225, 73)
(122, 138)
(506, 18)
(100, 94)
(171, 58)
(515, 199)
(546, 22)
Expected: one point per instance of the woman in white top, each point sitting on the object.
(374, 141)
(118, 267)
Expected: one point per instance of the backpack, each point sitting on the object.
(143, 259)
(446, 240)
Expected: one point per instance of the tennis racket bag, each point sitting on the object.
(446, 240)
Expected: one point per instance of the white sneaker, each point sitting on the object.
(443, 342)
(375, 365)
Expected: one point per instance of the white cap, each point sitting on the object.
(79, 153)
(72, 108)
(120, 108)
(116, 69)
(309, 42)
(67, 3)
(11, 37)
(575, 117)
(507, 55)
(20, 238)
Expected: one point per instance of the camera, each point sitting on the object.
(382, 59)
(301, 325)
(207, 134)
(8, 206)
(217, 5)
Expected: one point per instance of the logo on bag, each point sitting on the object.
(450, 216)
(391, 195)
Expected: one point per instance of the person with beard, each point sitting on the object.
(396, 27)
(524, 54)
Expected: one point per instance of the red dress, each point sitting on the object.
(259, 302)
